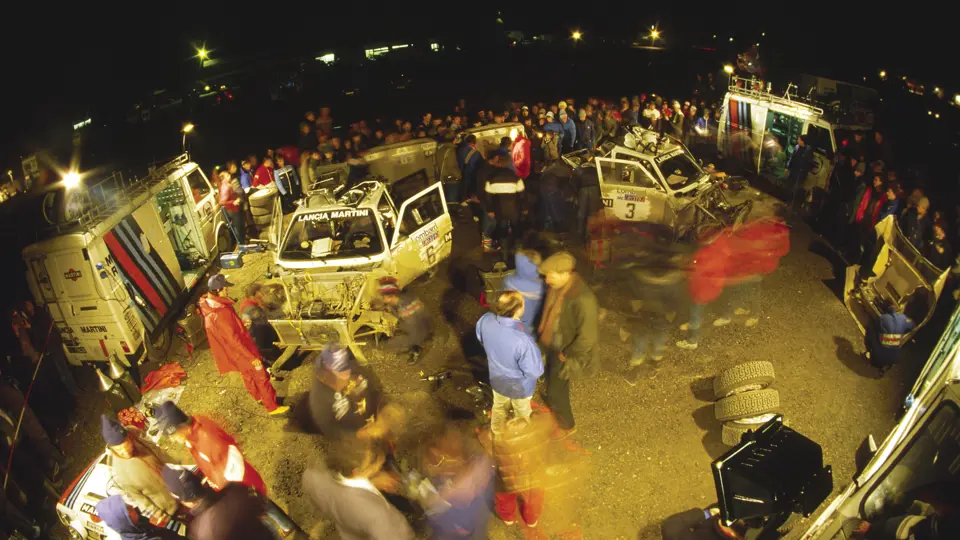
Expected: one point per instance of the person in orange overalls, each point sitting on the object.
(232, 347)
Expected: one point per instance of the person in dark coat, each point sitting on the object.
(587, 130)
(938, 250)
(915, 223)
(569, 140)
(502, 196)
(885, 339)
(348, 491)
(798, 166)
(262, 332)
(469, 159)
(414, 326)
(589, 200)
(345, 398)
(568, 334)
(233, 512)
(127, 523)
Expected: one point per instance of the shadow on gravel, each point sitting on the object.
(702, 389)
(821, 248)
(854, 361)
(650, 531)
(711, 441)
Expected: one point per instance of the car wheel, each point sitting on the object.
(733, 431)
(743, 378)
(158, 347)
(225, 242)
(747, 404)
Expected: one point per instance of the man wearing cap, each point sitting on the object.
(232, 347)
(568, 332)
(127, 523)
(136, 470)
(344, 397)
(413, 320)
(233, 512)
(215, 451)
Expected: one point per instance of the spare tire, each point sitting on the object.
(262, 203)
(733, 431)
(743, 378)
(747, 404)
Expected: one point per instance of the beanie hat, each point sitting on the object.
(171, 417)
(112, 430)
(335, 357)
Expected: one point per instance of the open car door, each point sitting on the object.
(632, 193)
(276, 228)
(901, 274)
(424, 235)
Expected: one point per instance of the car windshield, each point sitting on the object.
(680, 171)
(332, 234)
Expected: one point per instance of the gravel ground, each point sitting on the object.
(648, 446)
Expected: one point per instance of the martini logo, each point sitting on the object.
(72, 275)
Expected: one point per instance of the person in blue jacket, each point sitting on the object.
(554, 126)
(885, 339)
(286, 178)
(526, 281)
(569, 132)
(469, 159)
(127, 523)
(513, 359)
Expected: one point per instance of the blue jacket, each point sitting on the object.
(569, 132)
(512, 356)
(886, 339)
(469, 168)
(113, 512)
(526, 281)
(245, 179)
(892, 208)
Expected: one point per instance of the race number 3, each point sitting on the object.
(631, 210)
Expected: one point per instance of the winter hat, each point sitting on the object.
(171, 417)
(112, 430)
(550, 114)
(861, 167)
(562, 261)
(184, 485)
(388, 285)
(335, 357)
(218, 282)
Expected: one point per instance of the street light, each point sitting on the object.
(71, 179)
(883, 74)
(654, 34)
(576, 35)
(187, 128)
(956, 99)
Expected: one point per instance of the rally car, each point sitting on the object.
(340, 241)
(77, 505)
(653, 179)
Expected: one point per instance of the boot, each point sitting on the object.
(488, 245)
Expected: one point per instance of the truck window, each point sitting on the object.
(199, 187)
(819, 139)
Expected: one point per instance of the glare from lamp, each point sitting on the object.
(187, 128)
(655, 34)
(576, 35)
(883, 74)
(728, 69)
(202, 53)
(71, 179)
(956, 99)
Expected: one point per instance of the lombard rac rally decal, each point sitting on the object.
(429, 241)
(629, 206)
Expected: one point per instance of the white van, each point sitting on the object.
(116, 274)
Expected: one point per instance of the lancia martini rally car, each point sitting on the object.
(653, 179)
(339, 242)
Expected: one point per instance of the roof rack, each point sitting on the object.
(756, 89)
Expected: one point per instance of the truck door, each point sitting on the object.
(424, 234)
(204, 200)
(820, 138)
(631, 191)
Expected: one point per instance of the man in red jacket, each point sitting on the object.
(232, 347)
(264, 175)
(521, 154)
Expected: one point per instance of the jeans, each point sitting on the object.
(502, 404)
(558, 392)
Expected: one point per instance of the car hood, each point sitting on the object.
(901, 274)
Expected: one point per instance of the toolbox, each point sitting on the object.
(192, 327)
(231, 260)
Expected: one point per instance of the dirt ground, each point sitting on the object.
(649, 446)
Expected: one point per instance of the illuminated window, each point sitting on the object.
(434, 47)
(401, 46)
(328, 58)
(373, 53)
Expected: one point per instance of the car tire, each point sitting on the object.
(732, 432)
(158, 347)
(743, 378)
(747, 405)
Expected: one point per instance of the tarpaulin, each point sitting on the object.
(753, 249)
(168, 376)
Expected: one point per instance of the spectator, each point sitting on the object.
(414, 327)
(885, 339)
(233, 512)
(231, 201)
(568, 332)
(520, 153)
(264, 175)
(504, 151)
(587, 130)
(552, 125)
(526, 281)
(520, 454)
(939, 252)
(881, 150)
(325, 122)
(287, 180)
(264, 335)
(136, 469)
(308, 139)
(915, 223)
(677, 120)
(469, 158)
(246, 177)
(232, 347)
(503, 193)
(857, 148)
(569, 133)
(348, 491)
(512, 357)
(610, 125)
(894, 202)
(589, 200)
(127, 523)
(651, 117)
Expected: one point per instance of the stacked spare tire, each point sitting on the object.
(745, 400)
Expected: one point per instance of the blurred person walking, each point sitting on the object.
(520, 154)
(526, 281)
(345, 491)
(232, 347)
(345, 398)
(233, 512)
(414, 326)
(513, 359)
(231, 199)
(127, 523)
(520, 454)
(502, 197)
(568, 332)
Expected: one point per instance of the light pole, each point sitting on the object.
(728, 69)
(187, 129)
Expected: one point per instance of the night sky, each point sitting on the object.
(60, 66)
